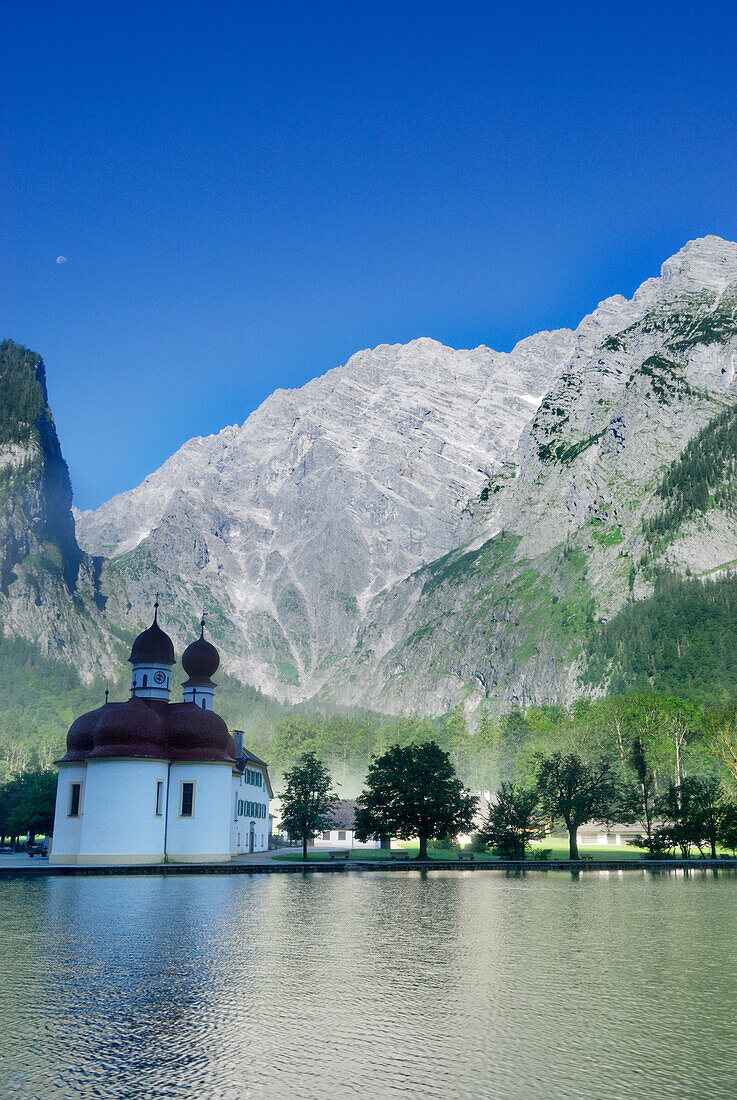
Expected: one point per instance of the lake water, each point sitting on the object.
(445, 984)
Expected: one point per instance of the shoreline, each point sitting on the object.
(356, 866)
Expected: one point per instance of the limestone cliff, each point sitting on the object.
(580, 521)
(48, 587)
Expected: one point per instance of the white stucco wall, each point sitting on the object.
(204, 837)
(347, 841)
(153, 689)
(67, 830)
(243, 793)
(119, 822)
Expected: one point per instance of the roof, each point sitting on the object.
(344, 813)
(200, 660)
(153, 646)
(150, 728)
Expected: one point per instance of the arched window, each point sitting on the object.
(145, 680)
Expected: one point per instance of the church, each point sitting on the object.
(151, 781)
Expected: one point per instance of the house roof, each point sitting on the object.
(344, 813)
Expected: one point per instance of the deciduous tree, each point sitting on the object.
(307, 800)
(575, 791)
(413, 791)
(513, 820)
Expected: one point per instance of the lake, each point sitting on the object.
(440, 984)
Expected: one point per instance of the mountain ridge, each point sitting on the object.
(424, 527)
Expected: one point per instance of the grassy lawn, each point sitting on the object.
(364, 855)
(558, 846)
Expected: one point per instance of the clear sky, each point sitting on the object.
(247, 193)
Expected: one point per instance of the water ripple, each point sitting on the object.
(438, 985)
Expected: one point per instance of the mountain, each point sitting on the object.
(286, 528)
(422, 527)
(626, 474)
(49, 592)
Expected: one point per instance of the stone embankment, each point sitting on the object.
(268, 865)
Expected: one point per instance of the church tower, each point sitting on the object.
(152, 657)
(200, 661)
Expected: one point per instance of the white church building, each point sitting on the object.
(151, 781)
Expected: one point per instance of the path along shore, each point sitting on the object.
(20, 865)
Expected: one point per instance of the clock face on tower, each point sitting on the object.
(159, 677)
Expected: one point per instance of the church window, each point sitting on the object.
(145, 680)
(186, 801)
(159, 798)
(75, 797)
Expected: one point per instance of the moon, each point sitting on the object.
(61, 259)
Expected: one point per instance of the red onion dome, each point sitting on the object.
(153, 646)
(200, 660)
(198, 734)
(80, 741)
(130, 729)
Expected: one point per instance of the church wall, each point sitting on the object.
(120, 824)
(68, 830)
(205, 836)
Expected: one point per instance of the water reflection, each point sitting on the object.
(461, 984)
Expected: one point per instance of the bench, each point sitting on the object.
(467, 855)
(344, 853)
(401, 853)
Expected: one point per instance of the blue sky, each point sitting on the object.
(248, 193)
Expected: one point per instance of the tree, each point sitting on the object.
(722, 740)
(27, 804)
(307, 800)
(513, 820)
(728, 827)
(639, 801)
(575, 791)
(694, 812)
(413, 791)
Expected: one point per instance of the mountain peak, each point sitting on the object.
(708, 262)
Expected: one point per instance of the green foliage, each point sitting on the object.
(41, 699)
(413, 791)
(22, 393)
(695, 814)
(704, 477)
(307, 800)
(681, 641)
(513, 821)
(565, 453)
(27, 804)
(665, 378)
(574, 790)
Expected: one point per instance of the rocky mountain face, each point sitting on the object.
(287, 528)
(418, 528)
(48, 586)
(627, 467)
